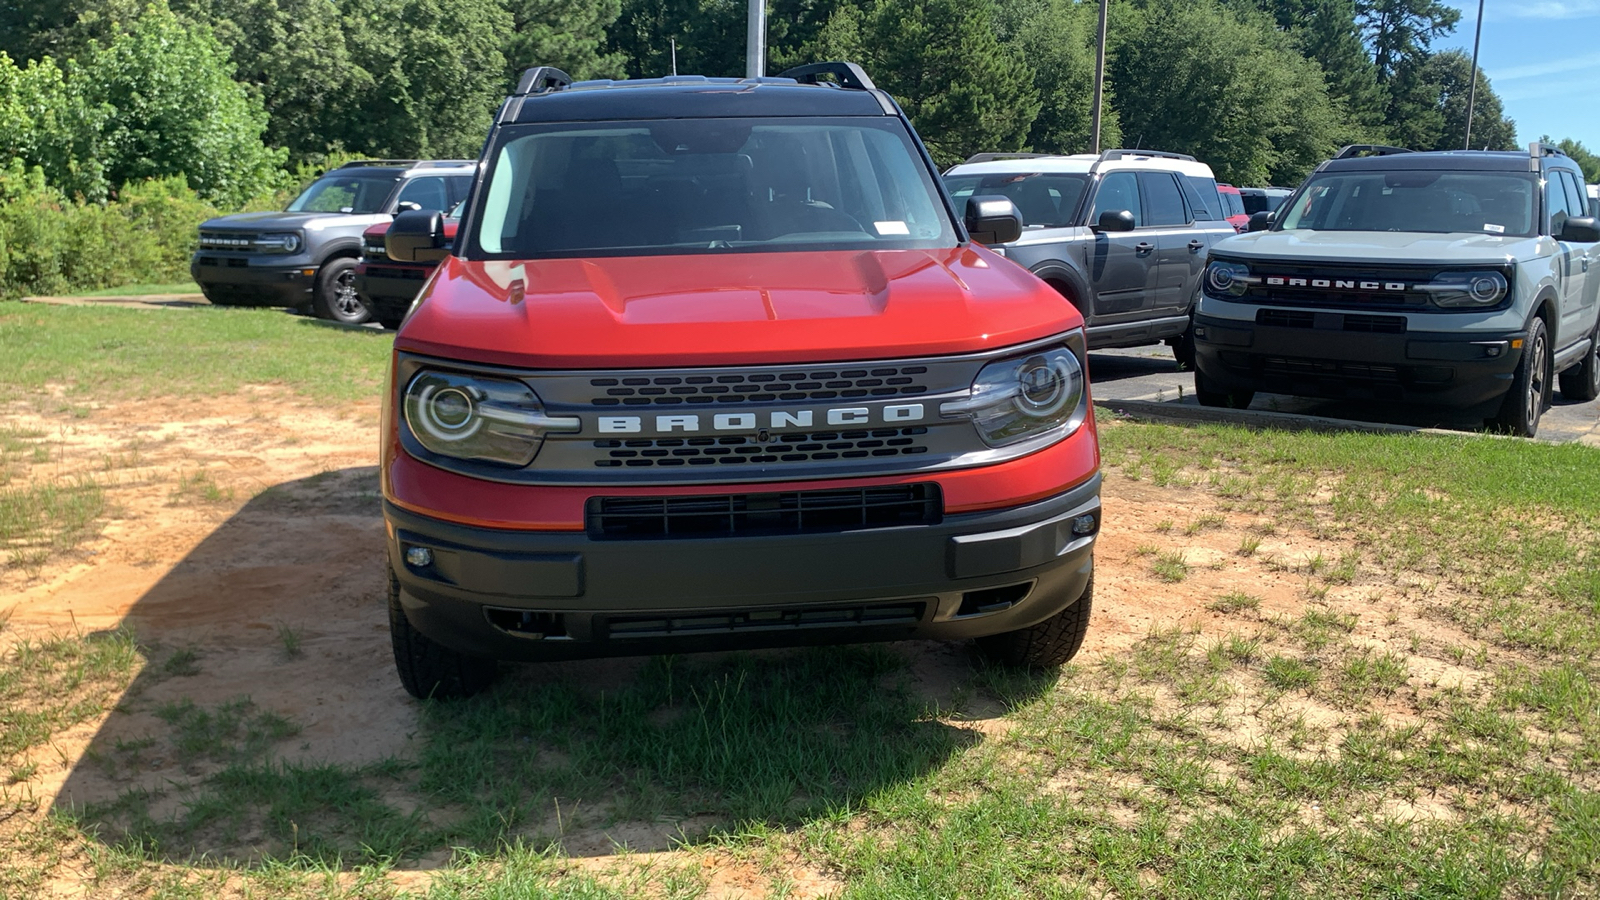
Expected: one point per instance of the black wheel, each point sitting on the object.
(1050, 643)
(1183, 349)
(1530, 386)
(336, 297)
(1210, 395)
(1582, 381)
(428, 669)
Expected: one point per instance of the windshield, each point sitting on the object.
(1428, 202)
(1047, 200)
(707, 186)
(345, 192)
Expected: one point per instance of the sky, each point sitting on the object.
(1543, 59)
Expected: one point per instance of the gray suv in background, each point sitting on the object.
(305, 257)
(1465, 279)
(1123, 235)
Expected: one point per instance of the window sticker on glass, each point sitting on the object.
(895, 227)
(1494, 229)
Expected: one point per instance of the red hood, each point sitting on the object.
(731, 309)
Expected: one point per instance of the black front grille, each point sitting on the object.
(1340, 286)
(1327, 368)
(1297, 318)
(815, 446)
(238, 242)
(903, 613)
(374, 249)
(761, 387)
(789, 512)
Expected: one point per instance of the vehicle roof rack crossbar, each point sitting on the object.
(1540, 148)
(1159, 154)
(1352, 151)
(991, 157)
(849, 74)
(539, 79)
(359, 163)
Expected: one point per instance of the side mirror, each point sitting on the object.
(993, 220)
(1261, 221)
(1115, 220)
(1580, 230)
(417, 236)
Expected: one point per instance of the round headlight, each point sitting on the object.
(1045, 385)
(291, 243)
(478, 417)
(446, 412)
(1228, 279)
(1487, 289)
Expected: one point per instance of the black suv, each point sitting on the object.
(305, 257)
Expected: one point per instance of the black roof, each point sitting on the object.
(1450, 160)
(693, 97)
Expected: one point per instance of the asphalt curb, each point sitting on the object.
(1184, 414)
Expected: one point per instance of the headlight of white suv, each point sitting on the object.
(473, 417)
(1226, 279)
(1025, 397)
(1454, 290)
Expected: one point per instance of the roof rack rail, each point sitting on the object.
(849, 74)
(540, 79)
(1540, 148)
(1351, 151)
(359, 163)
(990, 157)
(1110, 155)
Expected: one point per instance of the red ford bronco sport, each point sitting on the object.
(712, 363)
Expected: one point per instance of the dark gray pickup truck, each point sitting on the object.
(305, 257)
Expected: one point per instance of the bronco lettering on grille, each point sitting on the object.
(897, 414)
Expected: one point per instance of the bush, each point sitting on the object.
(50, 244)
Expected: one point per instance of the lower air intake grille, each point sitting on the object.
(790, 512)
(903, 613)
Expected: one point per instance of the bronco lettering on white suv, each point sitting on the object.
(1459, 279)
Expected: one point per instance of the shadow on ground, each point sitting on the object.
(268, 722)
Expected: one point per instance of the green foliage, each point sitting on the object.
(569, 35)
(51, 244)
(964, 90)
(1223, 84)
(1057, 38)
(1585, 158)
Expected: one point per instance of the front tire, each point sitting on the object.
(1581, 383)
(1210, 395)
(1048, 644)
(336, 297)
(1530, 386)
(428, 669)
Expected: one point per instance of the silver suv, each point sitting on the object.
(1122, 235)
(1462, 279)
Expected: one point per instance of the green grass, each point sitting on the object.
(144, 290)
(42, 519)
(109, 354)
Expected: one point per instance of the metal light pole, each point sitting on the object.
(1099, 74)
(755, 42)
(1472, 87)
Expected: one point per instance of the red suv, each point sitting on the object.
(713, 363)
(387, 286)
(1233, 207)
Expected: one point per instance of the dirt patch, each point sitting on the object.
(245, 549)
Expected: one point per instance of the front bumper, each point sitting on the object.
(563, 595)
(1460, 370)
(246, 280)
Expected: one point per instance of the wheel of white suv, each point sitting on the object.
(1530, 386)
(1210, 395)
(428, 669)
(1582, 382)
(1050, 643)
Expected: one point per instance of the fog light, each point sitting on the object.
(1083, 525)
(419, 557)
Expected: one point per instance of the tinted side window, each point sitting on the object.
(459, 186)
(1119, 190)
(1163, 204)
(1575, 198)
(1201, 193)
(426, 192)
(1555, 202)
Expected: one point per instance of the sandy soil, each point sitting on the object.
(237, 521)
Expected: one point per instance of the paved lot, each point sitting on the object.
(1148, 373)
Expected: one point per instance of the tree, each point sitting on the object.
(1057, 38)
(1399, 32)
(963, 90)
(436, 73)
(568, 34)
(160, 100)
(1224, 84)
(1327, 31)
(1430, 107)
(1583, 156)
